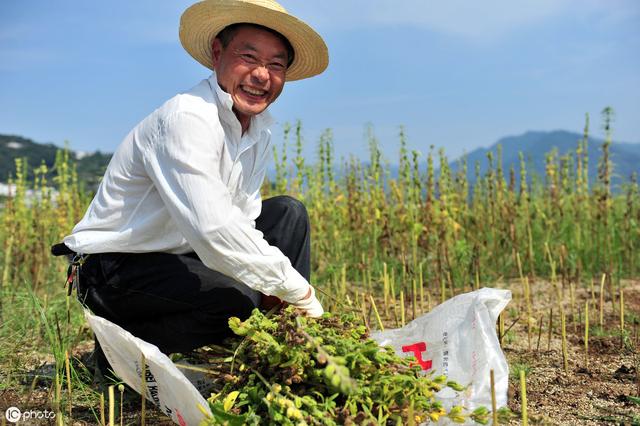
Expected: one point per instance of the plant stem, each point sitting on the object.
(494, 411)
(523, 398)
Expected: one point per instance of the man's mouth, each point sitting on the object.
(253, 92)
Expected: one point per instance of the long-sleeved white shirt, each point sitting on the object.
(186, 179)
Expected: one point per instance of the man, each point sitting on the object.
(177, 237)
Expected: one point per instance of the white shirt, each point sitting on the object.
(186, 179)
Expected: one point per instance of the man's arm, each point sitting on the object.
(183, 162)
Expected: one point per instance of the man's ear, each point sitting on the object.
(216, 51)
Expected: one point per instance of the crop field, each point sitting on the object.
(386, 248)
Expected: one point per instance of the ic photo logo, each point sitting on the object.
(14, 415)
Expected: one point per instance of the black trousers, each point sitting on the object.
(175, 301)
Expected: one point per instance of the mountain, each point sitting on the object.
(536, 145)
(90, 167)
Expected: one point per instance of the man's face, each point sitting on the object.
(252, 69)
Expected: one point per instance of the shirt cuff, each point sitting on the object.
(294, 288)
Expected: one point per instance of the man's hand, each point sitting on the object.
(310, 304)
(268, 302)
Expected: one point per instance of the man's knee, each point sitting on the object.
(286, 205)
(231, 302)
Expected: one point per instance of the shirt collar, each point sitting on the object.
(258, 122)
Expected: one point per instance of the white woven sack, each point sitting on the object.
(458, 339)
(166, 386)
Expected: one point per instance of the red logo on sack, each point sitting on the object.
(180, 418)
(417, 349)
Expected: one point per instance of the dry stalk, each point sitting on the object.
(621, 318)
(143, 390)
(365, 316)
(121, 389)
(523, 398)
(494, 409)
(586, 333)
(421, 298)
(112, 406)
(414, 300)
(402, 318)
(550, 332)
(375, 310)
(69, 386)
(385, 287)
(565, 360)
(58, 396)
(572, 295)
(604, 276)
(539, 333)
(103, 417)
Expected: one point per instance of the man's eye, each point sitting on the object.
(248, 58)
(276, 66)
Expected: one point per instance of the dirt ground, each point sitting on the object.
(600, 391)
(604, 391)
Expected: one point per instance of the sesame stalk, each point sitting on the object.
(586, 333)
(103, 417)
(112, 409)
(604, 276)
(523, 398)
(143, 390)
(565, 360)
(494, 411)
(375, 310)
(621, 318)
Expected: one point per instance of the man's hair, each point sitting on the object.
(226, 35)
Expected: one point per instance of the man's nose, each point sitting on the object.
(260, 73)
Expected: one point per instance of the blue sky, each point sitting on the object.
(458, 74)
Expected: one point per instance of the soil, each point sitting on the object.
(591, 391)
(594, 392)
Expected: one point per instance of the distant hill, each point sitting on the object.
(535, 145)
(91, 166)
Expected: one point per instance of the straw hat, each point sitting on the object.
(201, 22)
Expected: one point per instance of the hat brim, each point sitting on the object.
(201, 22)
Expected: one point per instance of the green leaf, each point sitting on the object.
(220, 415)
(634, 399)
(229, 400)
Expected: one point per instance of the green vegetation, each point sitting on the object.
(292, 370)
(420, 237)
(515, 369)
(90, 167)
(433, 227)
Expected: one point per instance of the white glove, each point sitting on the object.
(310, 304)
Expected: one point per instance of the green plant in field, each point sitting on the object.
(41, 318)
(400, 241)
(597, 331)
(515, 369)
(289, 369)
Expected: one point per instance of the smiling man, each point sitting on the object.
(177, 238)
(251, 64)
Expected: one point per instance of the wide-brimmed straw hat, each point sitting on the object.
(201, 22)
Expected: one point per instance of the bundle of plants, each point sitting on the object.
(292, 370)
